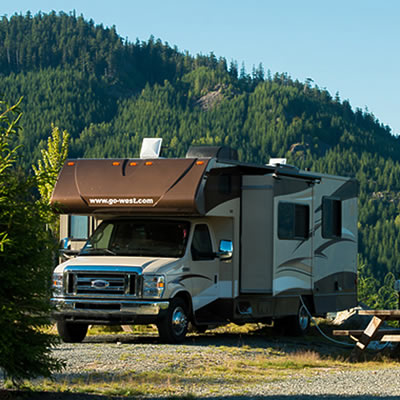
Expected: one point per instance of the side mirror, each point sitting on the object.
(225, 250)
(65, 244)
(65, 249)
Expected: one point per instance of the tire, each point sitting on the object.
(173, 327)
(294, 325)
(301, 321)
(71, 332)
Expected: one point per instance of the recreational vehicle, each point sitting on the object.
(204, 240)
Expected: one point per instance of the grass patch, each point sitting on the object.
(193, 374)
(117, 329)
(235, 378)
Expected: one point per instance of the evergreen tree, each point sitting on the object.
(26, 255)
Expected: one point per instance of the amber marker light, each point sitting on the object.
(133, 164)
(199, 162)
(148, 163)
(71, 164)
(115, 163)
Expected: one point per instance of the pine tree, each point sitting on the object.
(26, 255)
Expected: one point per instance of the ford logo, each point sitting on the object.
(100, 284)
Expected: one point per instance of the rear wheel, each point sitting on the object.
(294, 325)
(301, 321)
(71, 332)
(173, 327)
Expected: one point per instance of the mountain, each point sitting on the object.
(110, 93)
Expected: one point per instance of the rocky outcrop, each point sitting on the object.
(211, 99)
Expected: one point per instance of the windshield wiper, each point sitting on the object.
(97, 251)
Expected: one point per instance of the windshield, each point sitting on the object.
(152, 238)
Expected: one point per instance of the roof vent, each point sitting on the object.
(219, 152)
(151, 148)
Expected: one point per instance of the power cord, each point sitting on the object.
(320, 330)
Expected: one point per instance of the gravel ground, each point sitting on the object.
(117, 356)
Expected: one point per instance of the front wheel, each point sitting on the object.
(71, 332)
(173, 327)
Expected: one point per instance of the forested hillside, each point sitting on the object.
(110, 93)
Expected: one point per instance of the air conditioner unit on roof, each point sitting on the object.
(151, 148)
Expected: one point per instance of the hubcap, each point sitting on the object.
(179, 321)
(303, 318)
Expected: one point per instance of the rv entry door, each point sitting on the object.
(256, 234)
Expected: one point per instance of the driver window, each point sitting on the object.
(201, 244)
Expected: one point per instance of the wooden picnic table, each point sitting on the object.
(363, 337)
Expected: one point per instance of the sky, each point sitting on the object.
(345, 46)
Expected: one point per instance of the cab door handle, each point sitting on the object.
(185, 269)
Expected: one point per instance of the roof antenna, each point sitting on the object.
(151, 148)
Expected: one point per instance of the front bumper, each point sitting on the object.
(93, 309)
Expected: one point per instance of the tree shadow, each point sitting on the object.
(28, 395)
(262, 337)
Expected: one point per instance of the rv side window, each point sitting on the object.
(201, 244)
(224, 184)
(331, 218)
(293, 221)
(78, 227)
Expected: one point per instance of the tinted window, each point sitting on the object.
(293, 221)
(201, 244)
(331, 218)
(224, 184)
(152, 238)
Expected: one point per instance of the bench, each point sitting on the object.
(384, 335)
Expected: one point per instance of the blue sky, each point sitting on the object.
(345, 46)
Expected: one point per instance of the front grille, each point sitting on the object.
(102, 283)
(96, 306)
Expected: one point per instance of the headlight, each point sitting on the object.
(153, 285)
(57, 284)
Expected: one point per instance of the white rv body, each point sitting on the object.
(258, 243)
